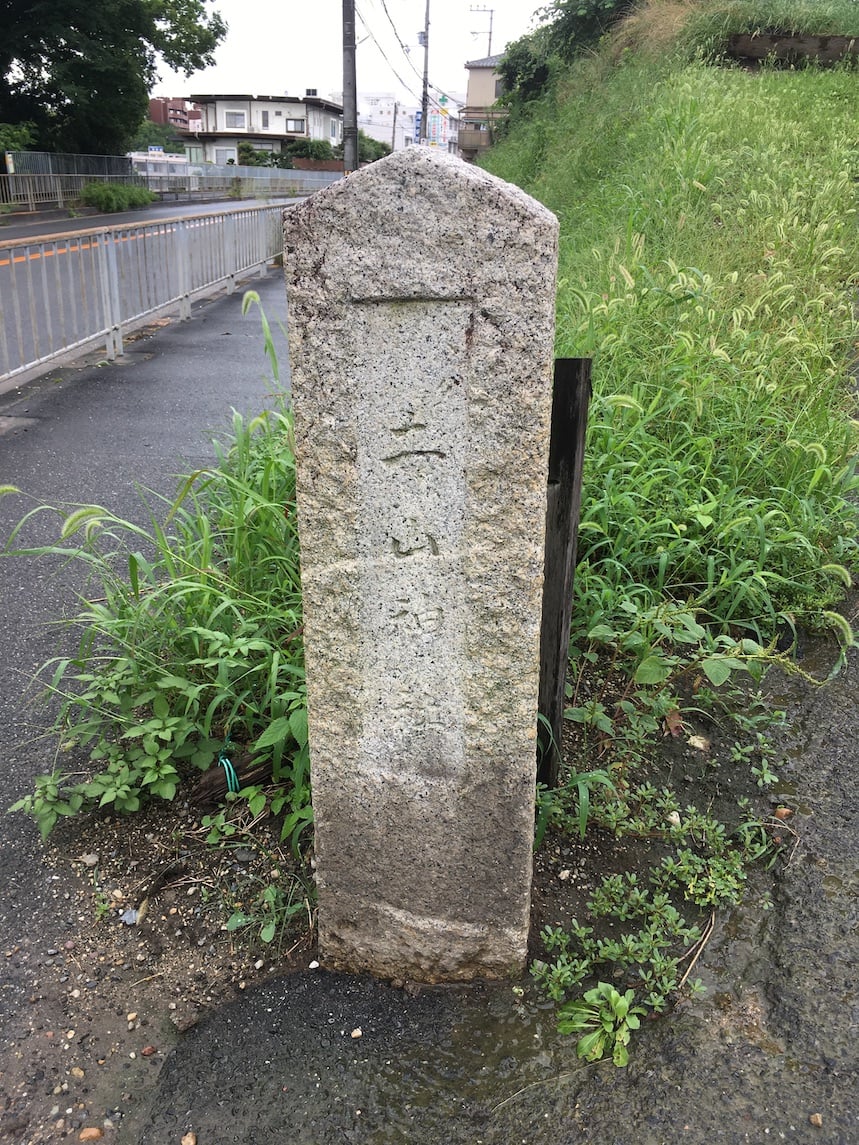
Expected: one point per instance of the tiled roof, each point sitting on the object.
(486, 62)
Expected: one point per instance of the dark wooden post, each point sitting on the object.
(566, 454)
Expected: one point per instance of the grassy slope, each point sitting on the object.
(708, 255)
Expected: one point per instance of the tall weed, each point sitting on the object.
(708, 242)
(194, 637)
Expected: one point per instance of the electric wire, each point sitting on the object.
(407, 54)
(384, 56)
(433, 100)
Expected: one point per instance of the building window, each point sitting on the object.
(223, 155)
(278, 111)
(333, 128)
(264, 120)
(295, 125)
(234, 119)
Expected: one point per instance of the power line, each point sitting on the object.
(384, 56)
(405, 51)
(404, 48)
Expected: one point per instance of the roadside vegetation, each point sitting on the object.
(707, 265)
(112, 197)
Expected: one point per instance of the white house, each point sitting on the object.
(266, 122)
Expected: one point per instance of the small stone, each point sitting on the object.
(259, 965)
(357, 1032)
(673, 818)
(189, 1139)
(782, 813)
(77, 1072)
(816, 1119)
(563, 875)
(700, 743)
(91, 1134)
(132, 1017)
(314, 965)
(148, 1051)
(70, 1034)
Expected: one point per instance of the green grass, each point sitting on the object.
(708, 242)
(712, 24)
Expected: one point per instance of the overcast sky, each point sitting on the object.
(274, 47)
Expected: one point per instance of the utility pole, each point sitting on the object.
(350, 89)
(491, 12)
(425, 92)
(394, 128)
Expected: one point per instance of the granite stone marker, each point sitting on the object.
(421, 313)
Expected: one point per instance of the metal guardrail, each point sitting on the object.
(63, 295)
(30, 191)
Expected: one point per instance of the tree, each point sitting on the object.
(369, 149)
(250, 157)
(16, 137)
(310, 149)
(569, 27)
(81, 72)
(151, 134)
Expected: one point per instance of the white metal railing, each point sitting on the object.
(30, 192)
(63, 295)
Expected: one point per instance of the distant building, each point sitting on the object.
(266, 122)
(478, 118)
(176, 112)
(384, 118)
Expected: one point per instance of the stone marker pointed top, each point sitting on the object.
(419, 201)
(421, 308)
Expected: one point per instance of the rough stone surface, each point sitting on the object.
(421, 299)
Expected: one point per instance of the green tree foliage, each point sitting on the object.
(570, 27)
(369, 149)
(250, 157)
(310, 149)
(151, 134)
(578, 24)
(526, 68)
(81, 72)
(15, 136)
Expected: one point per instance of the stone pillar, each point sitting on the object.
(421, 312)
